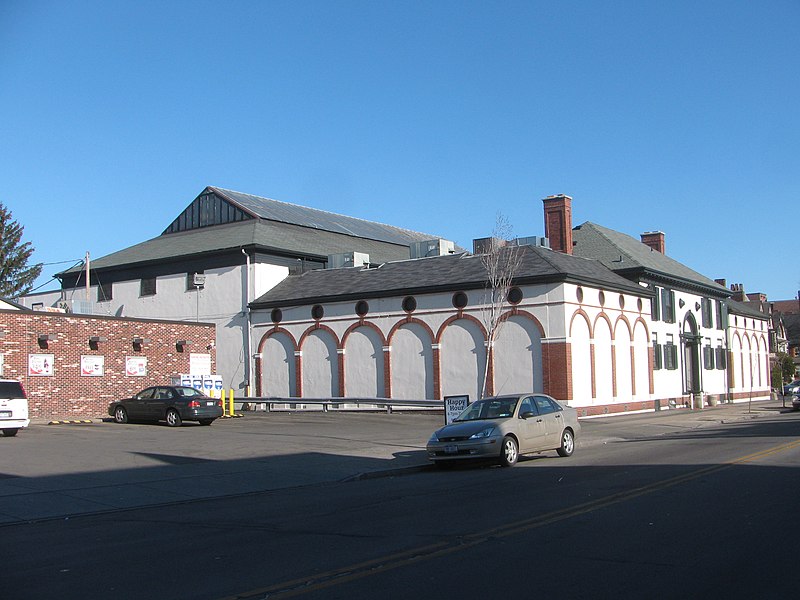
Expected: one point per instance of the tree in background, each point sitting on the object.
(501, 260)
(16, 277)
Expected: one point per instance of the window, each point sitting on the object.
(104, 292)
(670, 354)
(459, 300)
(514, 295)
(722, 315)
(657, 354)
(362, 308)
(655, 305)
(708, 355)
(721, 356)
(668, 305)
(317, 312)
(708, 318)
(409, 304)
(544, 405)
(147, 287)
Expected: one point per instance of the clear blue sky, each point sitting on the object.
(435, 116)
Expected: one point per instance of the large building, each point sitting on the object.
(310, 304)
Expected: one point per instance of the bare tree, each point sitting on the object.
(501, 257)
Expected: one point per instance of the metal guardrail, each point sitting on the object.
(388, 403)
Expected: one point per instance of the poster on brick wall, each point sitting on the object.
(93, 366)
(135, 366)
(40, 365)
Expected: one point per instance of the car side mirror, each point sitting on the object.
(527, 414)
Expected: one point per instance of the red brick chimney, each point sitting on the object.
(558, 222)
(655, 239)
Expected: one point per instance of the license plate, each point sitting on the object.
(451, 449)
(211, 403)
(5, 414)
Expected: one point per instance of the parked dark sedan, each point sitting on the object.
(173, 404)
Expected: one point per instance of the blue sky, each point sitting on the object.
(435, 116)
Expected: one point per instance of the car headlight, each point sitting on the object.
(433, 439)
(482, 434)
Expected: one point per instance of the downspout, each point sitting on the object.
(248, 330)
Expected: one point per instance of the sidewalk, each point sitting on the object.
(262, 452)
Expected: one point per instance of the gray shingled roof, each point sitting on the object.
(621, 252)
(440, 273)
(265, 235)
(283, 212)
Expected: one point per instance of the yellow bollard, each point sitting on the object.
(231, 401)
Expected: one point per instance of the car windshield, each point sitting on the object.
(490, 408)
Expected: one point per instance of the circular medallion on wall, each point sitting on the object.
(579, 294)
(317, 312)
(459, 299)
(602, 298)
(362, 308)
(276, 315)
(515, 295)
(409, 304)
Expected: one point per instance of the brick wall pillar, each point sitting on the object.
(557, 370)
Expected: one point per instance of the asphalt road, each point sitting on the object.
(680, 505)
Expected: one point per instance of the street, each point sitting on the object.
(689, 511)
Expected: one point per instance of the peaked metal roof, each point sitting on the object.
(623, 253)
(304, 216)
(439, 273)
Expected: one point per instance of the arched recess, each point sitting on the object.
(641, 361)
(320, 366)
(363, 363)
(763, 361)
(623, 349)
(736, 369)
(747, 364)
(278, 365)
(517, 356)
(582, 366)
(462, 356)
(604, 369)
(411, 362)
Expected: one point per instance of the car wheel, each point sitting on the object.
(509, 452)
(206, 421)
(567, 443)
(120, 415)
(10, 432)
(173, 418)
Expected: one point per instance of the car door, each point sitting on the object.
(532, 430)
(552, 419)
(157, 405)
(137, 406)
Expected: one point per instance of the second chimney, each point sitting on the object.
(558, 222)
(655, 239)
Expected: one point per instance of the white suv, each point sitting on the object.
(13, 407)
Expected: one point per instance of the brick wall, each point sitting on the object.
(67, 394)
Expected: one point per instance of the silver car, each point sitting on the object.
(503, 427)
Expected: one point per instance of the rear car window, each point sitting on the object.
(11, 389)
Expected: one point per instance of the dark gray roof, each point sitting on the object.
(267, 236)
(623, 253)
(283, 212)
(746, 309)
(440, 273)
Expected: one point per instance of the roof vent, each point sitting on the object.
(347, 259)
(437, 247)
(532, 240)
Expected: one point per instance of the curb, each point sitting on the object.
(81, 422)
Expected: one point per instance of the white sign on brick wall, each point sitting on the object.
(40, 365)
(136, 366)
(93, 365)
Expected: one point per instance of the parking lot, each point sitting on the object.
(54, 471)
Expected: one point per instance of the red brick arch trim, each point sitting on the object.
(407, 321)
(258, 369)
(515, 312)
(624, 319)
(272, 332)
(459, 317)
(581, 313)
(367, 324)
(317, 327)
(603, 316)
(644, 324)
